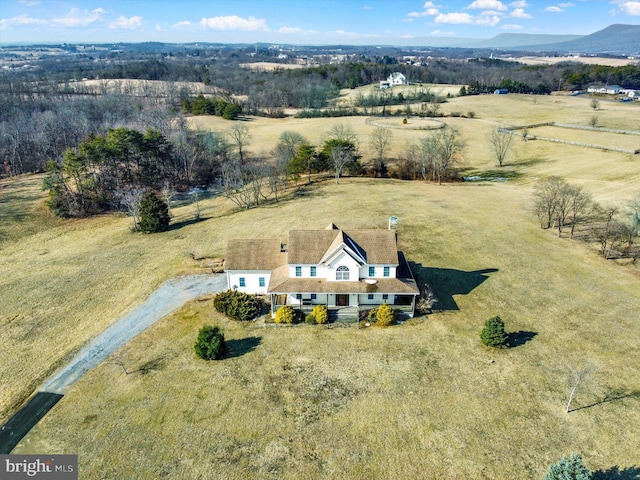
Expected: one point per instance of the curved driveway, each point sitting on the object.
(171, 295)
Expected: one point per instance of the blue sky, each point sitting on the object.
(301, 21)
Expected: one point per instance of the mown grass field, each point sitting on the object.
(419, 400)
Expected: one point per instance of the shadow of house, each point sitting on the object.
(447, 282)
(241, 346)
(517, 339)
(615, 473)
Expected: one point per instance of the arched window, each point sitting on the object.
(342, 273)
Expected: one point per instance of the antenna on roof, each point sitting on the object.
(393, 222)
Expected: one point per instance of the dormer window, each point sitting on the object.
(342, 273)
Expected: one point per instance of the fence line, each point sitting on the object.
(513, 131)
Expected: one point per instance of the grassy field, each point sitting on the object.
(419, 400)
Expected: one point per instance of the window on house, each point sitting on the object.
(385, 296)
(314, 296)
(342, 273)
(313, 271)
(242, 282)
(261, 281)
(372, 271)
(370, 296)
(386, 271)
(298, 271)
(298, 296)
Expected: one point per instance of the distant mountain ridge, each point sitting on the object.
(513, 40)
(617, 39)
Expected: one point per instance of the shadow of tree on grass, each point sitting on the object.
(517, 339)
(611, 396)
(447, 282)
(241, 346)
(615, 473)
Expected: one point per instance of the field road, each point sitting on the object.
(169, 297)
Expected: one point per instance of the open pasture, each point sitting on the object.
(423, 399)
(419, 400)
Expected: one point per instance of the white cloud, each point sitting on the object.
(486, 18)
(367, 7)
(630, 8)
(519, 4)
(183, 23)
(20, 20)
(553, 9)
(511, 26)
(519, 13)
(126, 23)
(430, 5)
(29, 3)
(454, 18)
(233, 22)
(79, 18)
(489, 20)
(566, 5)
(417, 14)
(487, 5)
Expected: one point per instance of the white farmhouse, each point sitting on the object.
(346, 271)
(396, 78)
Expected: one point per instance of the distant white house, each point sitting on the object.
(609, 89)
(396, 78)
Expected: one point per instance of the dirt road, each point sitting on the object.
(170, 296)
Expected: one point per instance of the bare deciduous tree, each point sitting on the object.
(340, 157)
(131, 198)
(606, 233)
(577, 378)
(240, 137)
(580, 206)
(501, 141)
(380, 140)
(439, 153)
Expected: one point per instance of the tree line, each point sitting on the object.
(562, 206)
(201, 105)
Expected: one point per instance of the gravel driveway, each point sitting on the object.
(171, 295)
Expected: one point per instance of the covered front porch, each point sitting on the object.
(343, 305)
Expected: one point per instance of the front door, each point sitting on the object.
(342, 300)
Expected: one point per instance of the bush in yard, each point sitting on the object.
(493, 334)
(237, 305)
(384, 315)
(310, 319)
(568, 468)
(210, 344)
(285, 314)
(154, 213)
(321, 314)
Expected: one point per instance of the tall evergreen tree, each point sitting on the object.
(154, 213)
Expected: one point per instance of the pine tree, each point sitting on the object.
(154, 213)
(493, 334)
(210, 344)
(568, 468)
